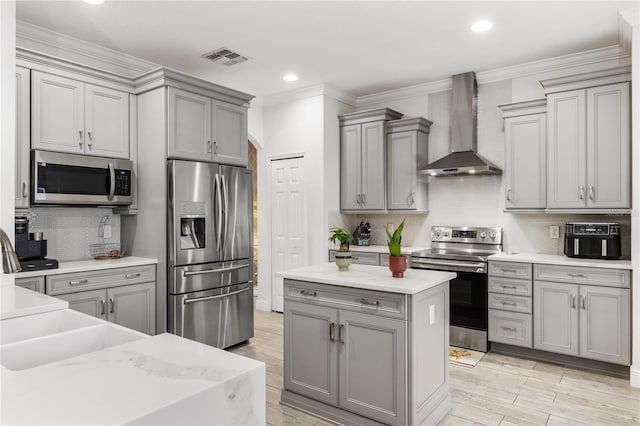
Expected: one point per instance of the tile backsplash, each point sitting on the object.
(70, 230)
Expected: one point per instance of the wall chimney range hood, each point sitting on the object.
(464, 158)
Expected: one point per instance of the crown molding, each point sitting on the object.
(405, 92)
(35, 38)
(321, 89)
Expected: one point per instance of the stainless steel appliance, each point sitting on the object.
(463, 250)
(592, 240)
(210, 267)
(80, 179)
(362, 234)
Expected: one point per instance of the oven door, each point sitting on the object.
(79, 179)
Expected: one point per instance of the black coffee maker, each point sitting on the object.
(31, 249)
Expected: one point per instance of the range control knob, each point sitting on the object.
(483, 234)
(447, 233)
(437, 233)
(492, 235)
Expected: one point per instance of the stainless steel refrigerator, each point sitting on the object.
(210, 291)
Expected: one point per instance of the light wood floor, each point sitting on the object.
(500, 390)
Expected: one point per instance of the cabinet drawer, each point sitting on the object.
(507, 302)
(511, 328)
(391, 305)
(81, 281)
(510, 286)
(359, 257)
(510, 270)
(579, 275)
(34, 283)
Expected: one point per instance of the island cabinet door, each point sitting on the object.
(373, 367)
(310, 335)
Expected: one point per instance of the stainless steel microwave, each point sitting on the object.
(80, 179)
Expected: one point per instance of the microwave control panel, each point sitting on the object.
(123, 183)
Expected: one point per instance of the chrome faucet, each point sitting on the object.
(10, 263)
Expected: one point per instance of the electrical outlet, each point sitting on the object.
(554, 231)
(107, 231)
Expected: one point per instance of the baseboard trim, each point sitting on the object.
(263, 305)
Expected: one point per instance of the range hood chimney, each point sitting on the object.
(464, 158)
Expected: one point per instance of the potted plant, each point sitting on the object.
(397, 262)
(343, 256)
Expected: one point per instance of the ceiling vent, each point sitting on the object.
(225, 56)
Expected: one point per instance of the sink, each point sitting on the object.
(32, 326)
(56, 347)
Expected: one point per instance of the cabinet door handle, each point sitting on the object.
(209, 147)
(90, 143)
(370, 302)
(508, 194)
(572, 302)
(112, 303)
(215, 147)
(508, 328)
(331, 328)
(413, 197)
(358, 199)
(131, 276)
(101, 307)
(340, 336)
(364, 199)
(25, 194)
(592, 193)
(583, 303)
(581, 192)
(308, 293)
(80, 282)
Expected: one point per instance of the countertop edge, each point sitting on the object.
(551, 259)
(88, 265)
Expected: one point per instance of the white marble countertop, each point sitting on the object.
(553, 259)
(89, 265)
(369, 277)
(163, 379)
(379, 249)
(17, 301)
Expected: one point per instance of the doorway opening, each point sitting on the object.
(253, 166)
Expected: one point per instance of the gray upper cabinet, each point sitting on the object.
(362, 159)
(78, 118)
(23, 137)
(205, 129)
(588, 141)
(525, 173)
(406, 150)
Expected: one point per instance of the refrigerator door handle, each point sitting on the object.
(218, 214)
(211, 271)
(226, 211)
(218, 296)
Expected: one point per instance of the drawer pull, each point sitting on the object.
(506, 302)
(508, 328)
(574, 275)
(131, 276)
(370, 302)
(515, 271)
(511, 287)
(80, 282)
(308, 293)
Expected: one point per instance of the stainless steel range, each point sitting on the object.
(463, 250)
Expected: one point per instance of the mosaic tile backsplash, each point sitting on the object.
(70, 230)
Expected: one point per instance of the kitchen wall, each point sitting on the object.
(479, 200)
(70, 230)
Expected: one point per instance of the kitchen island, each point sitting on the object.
(62, 367)
(361, 347)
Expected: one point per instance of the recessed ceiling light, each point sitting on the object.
(290, 77)
(481, 26)
(93, 1)
(472, 171)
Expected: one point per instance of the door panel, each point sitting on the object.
(288, 222)
(189, 125)
(92, 302)
(373, 366)
(555, 316)
(229, 128)
(350, 167)
(567, 150)
(311, 354)
(57, 113)
(237, 225)
(608, 146)
(107, 122)
(403, 179)
(373, 166)
(194, 215)
(133, 306)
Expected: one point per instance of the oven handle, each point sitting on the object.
(218, 296)
(112, 181)
(463, 266)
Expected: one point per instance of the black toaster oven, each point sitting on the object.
(592, 240)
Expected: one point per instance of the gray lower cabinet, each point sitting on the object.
(583, 320)
(125, 296)
(35, 283)
(362, 355)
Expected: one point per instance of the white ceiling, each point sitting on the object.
(360, 47)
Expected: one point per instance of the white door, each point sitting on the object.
(106, 122)
(288, 239)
